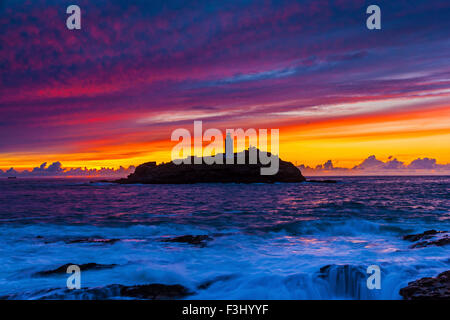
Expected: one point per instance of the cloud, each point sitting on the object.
(374, 166)
(369, 163)
(57, 170)
(393, 165)
(369, 166)
(424, 163)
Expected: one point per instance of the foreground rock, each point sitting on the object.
(154, 291)
(208, 283)
(437, 288)
(150, 173)
(83, 267)
(420, 236)
(430, 238)
(195, 240)
(439, 243)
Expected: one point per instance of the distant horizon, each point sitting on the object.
(367, 167)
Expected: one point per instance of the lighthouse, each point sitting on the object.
(229, 145)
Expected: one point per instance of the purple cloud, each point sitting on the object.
(57, 170)
(373, 166)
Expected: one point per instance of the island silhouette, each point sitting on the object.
(191, 172)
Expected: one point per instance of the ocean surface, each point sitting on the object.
(268, 241)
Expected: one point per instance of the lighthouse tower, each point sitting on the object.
(229, 144)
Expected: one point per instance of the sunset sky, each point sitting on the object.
(111, 93)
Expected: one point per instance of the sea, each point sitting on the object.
(265, 241)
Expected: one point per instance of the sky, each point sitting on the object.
(110, 94)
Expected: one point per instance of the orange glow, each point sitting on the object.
(404, 134)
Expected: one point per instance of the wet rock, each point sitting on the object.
(206, 284)
(93, 240)
(419, 236)
(153, 291)
(430, 238)
(83, 267)
(440, 242)
(437, 288)
(195, 240)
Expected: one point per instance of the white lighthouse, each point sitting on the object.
(229, 145)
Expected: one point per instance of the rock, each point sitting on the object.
(425, 235)
(151, 173)
(437, 288)
(430, 237)
(206, 284)
(93, 240)
(323, 181)
(440, 242)
(83, 267)
(195, 240)
(153, 291)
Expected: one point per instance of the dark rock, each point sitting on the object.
(195, 240)
(429, 237)
(419, 236)
(83, 267)
(93, 240)
(440, 242)
(437, 288)
(206, 284)
(155, 291)
(150, 173)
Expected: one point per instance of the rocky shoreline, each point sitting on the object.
(349, 278)
(437, 288)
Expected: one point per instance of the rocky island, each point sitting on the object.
(188, 173)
